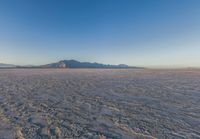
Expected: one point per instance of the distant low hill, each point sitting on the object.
(2, 65)
(77, 64)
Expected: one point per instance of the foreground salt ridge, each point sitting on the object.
(63, 103)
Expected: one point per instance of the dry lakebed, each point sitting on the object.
(99, 104)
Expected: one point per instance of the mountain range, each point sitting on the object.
(70, 64)
(77, 64)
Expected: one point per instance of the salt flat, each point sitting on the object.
(99, 103)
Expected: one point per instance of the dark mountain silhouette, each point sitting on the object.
(77, 64)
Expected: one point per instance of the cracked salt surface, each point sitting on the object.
(99, 103)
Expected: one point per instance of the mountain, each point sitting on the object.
(77, 64)
(71, 64)
(2, 65)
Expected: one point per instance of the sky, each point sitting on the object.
(150, 33)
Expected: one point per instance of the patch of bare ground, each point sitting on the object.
(99, 104)
(19, 134)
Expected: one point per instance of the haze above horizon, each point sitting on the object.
(134, 32)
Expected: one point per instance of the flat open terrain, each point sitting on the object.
(99, 104)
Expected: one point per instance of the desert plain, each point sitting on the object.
(99, 104)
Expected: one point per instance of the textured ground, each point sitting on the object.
(99, 104)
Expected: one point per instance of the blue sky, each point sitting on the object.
(151, 33)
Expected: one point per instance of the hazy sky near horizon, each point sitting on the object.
(135, 32)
